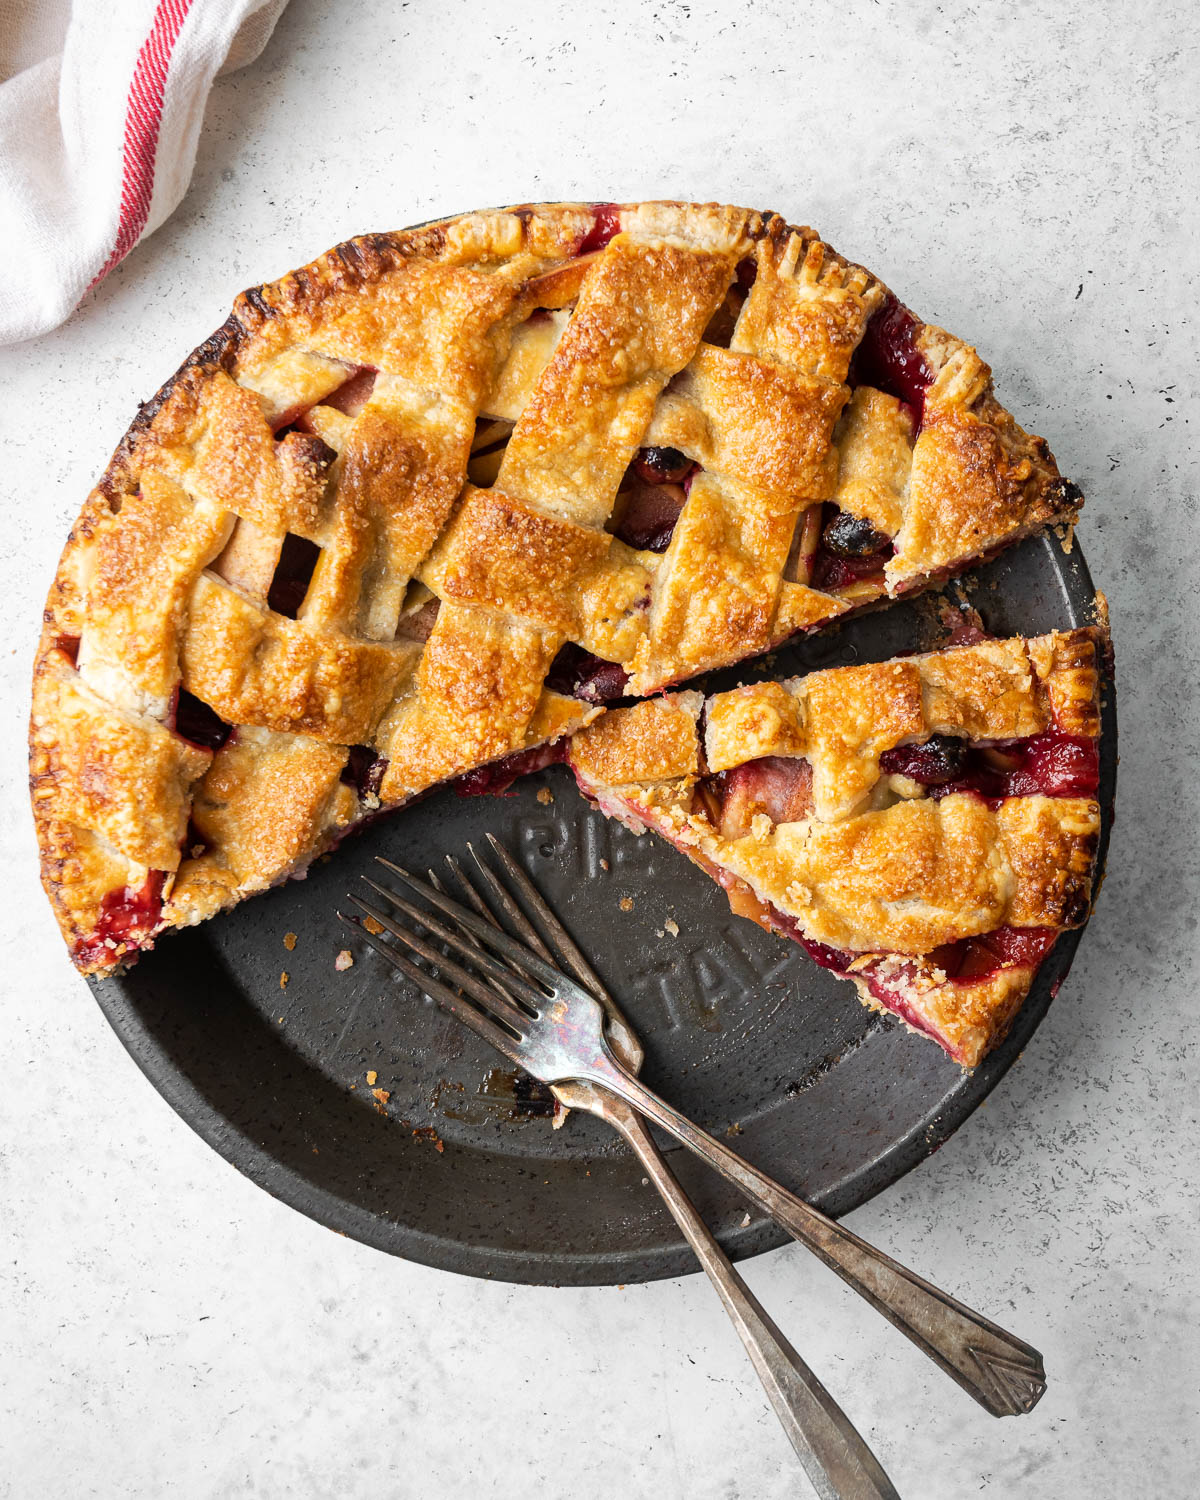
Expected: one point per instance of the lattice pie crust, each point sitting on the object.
(431, 500)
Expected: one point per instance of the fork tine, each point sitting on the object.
(459, 1008)
(493, 936)
(512, 1015)
(474, 898)
(510, 908)
(567, 949)
(464, 947)
(477, 901)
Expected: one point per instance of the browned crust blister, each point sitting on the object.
(165, 573)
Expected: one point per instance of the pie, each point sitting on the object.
(421, 508)
(925, 826)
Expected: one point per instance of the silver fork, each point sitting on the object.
(836, 1458)
(554, 1028)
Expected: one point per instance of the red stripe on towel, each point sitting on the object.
(143, 116)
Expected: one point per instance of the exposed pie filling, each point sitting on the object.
(578, 674)
(850, 551)
(1050, 764)
(606, 222)
(651, 498)
(69, 646)
(778, 786)
(195, 722)
(127, 918)
(293, 574)
(495, 779)
(350, 397)
(888, 359)
(364, 770)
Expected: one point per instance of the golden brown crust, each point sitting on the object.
(167, 579)
(977, 479)
(652, 741)
(267, 803)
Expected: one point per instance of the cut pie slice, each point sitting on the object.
(925, 826)
(426, 504)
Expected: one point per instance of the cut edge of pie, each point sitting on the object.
(423, 505)
(926, 826)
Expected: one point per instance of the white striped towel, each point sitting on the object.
(100, 110)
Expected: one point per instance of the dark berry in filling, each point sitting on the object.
(196, 722)
(851, 536)
(578, 674)
(940, 759)
(293, 574)
(850, 550)
(747, 273)
(888, 358)
(364, 770)
(662, 465)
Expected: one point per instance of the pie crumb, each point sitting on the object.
(626, 903)
(604, 864)
(289, 941)
(545, 796)
(283, 982)
(372, 926)
(372, 1077)
(344, 961)
(672, 926)
(745, 1221)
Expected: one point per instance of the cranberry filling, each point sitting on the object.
(364, 770)
(195, 722)
(293, 574)
(69, 646)
(968, 960)
(850, 550)
(126, 919)
(606, 222)
(495, 780)
(888, 357)
(1050, 764)
(747, 272)
(1006, 948)
(578, 674)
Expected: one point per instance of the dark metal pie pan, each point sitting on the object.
(458, 1167)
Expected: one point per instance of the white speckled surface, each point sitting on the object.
(1026, 176)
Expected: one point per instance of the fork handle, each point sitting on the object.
(837, 1461)
(1004, 1374)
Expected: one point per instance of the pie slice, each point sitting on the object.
(426, 504)
(925, 826)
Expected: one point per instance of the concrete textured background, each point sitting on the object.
(1025, 174)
